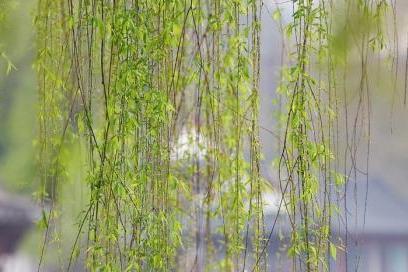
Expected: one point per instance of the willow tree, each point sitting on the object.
(163, 98)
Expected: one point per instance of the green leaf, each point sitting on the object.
(43, 222)
(333, 251)
(277, 15)
(339, 179)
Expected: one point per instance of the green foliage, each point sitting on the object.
(307, 166)
(5, 8)
(128, 81)
(162, 100)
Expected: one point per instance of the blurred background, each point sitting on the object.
(18, 238)
(381, 244)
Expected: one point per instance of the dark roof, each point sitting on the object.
(385, 213)
(16, 217)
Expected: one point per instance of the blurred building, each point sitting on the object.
(380, 243)
(16, 218)
(377, 232)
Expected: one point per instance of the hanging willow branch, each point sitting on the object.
(162, 97)
(308, 171)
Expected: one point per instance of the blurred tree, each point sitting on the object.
(17, 97)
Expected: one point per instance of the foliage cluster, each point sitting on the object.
(162, 97)
(133, 82)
